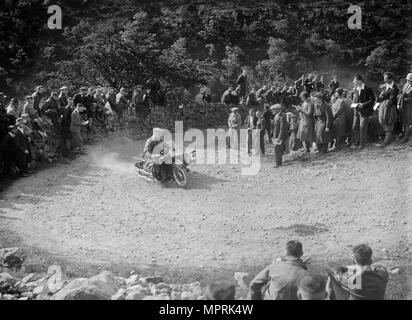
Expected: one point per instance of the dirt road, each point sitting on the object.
(96, 210)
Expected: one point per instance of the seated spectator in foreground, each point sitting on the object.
(220, 290)
(312, 287)
(279, 281)
(361, 281)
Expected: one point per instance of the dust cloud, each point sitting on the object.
(111, 161)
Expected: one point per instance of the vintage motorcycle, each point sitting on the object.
(170, 167)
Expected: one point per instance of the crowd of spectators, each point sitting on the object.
(310, 114)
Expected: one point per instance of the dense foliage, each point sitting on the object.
(124, 42)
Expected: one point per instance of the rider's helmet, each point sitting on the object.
(157, 133)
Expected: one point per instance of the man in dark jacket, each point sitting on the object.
(363, 100)
(279, 281)
(242, 83)
(362, 281)
(37, 96)
(51, 108)
(21, 148)
(66, 120)
(268, 115)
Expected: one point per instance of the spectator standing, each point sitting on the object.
(280, 131)
(323, 123)
(251, 99)
(76, 123)
(50, 108)
(339, 109)
(268, 115)
(63, 96)
(37, 96)
(363, 98)
(121, 102)
(261, 128)
(405, 107)
(306, 124)
(234, 123)
(388, 114)
(65, 124)
(333, 85)
(250, 124)
(243, 84)
(21, 147)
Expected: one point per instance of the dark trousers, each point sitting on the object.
(22, 162)
(360, 129)
(262, 142)
(269, 132)
(388, 132)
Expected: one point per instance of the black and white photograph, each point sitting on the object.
(204, 150)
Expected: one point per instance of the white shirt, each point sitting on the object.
(360, 88)
(389, 85)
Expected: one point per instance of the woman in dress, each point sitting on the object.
(306, 124)
(339, 118)
(323, 123)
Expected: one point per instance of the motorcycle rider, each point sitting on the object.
(153, 146)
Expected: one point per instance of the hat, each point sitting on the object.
(234, 109)
(14, 100)
(409, 77)
(64, 88)
(276, 106)
(19, 120)
(83, 89)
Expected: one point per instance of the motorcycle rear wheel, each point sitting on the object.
(180, 176)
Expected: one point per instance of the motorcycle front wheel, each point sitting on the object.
(180, 176)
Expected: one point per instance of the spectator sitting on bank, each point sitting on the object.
(29, 109)
(312, 287)
(361, 281)
(235, 96)
(227, 96)
(281, 278)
